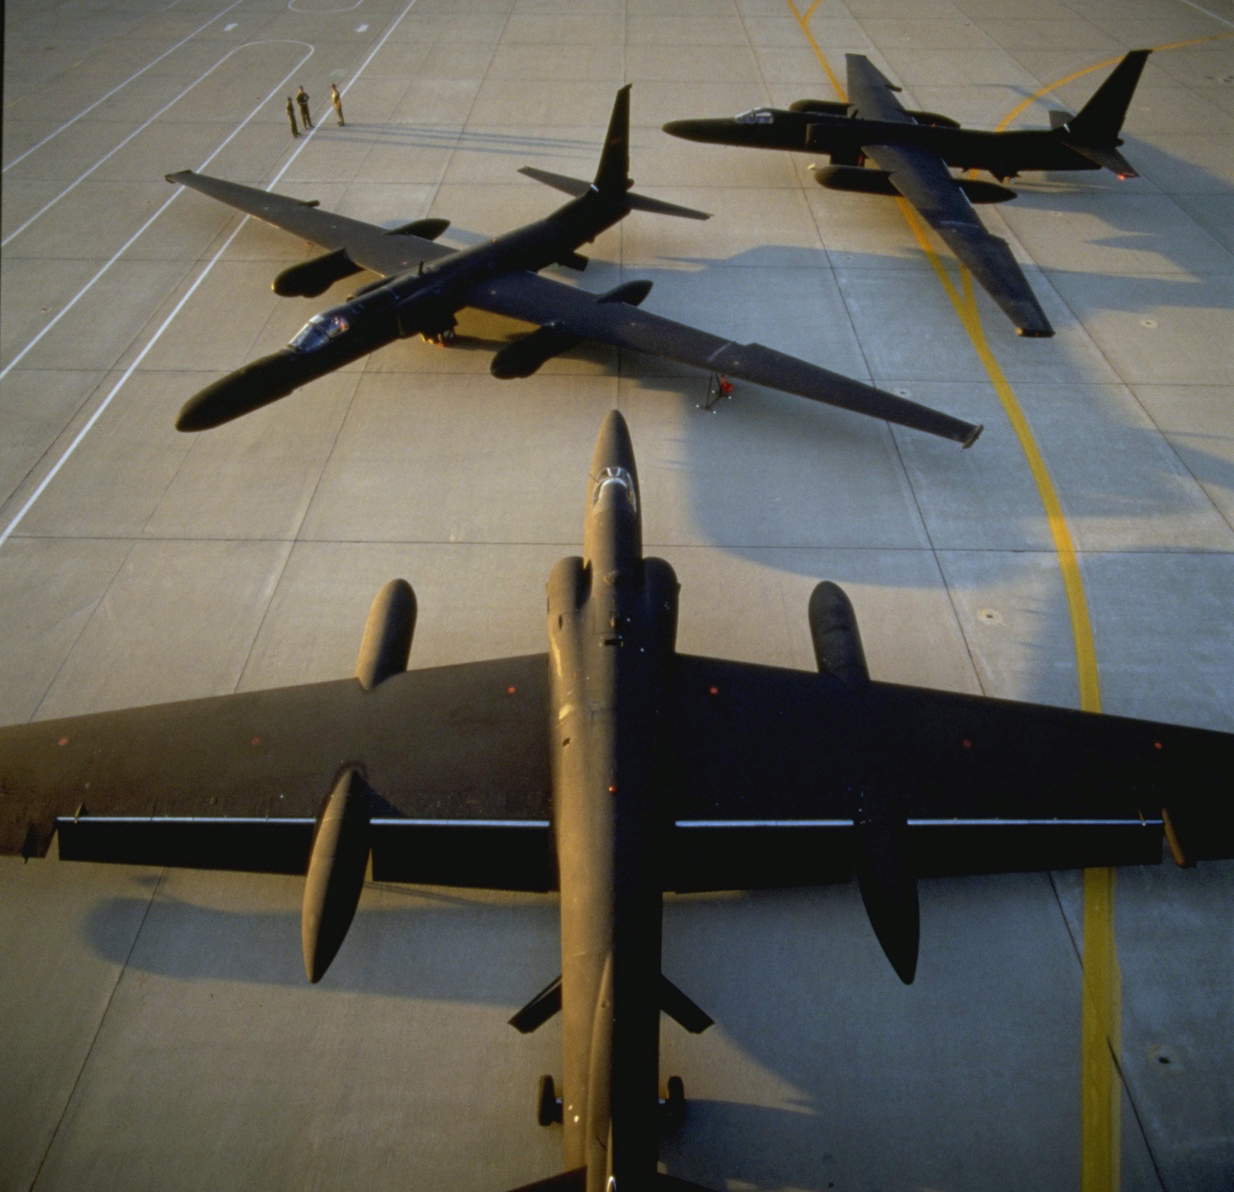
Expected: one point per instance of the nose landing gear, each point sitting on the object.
(673, 1105)
(548, 1104)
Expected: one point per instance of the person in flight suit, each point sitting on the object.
(291, 115)
(337, 100)
(303, 100)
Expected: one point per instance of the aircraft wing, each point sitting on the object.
(457, 757)
(574, 312)
(921, 176)
(766, 763)
(369, 246)
(872, 94)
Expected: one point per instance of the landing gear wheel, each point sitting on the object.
(548, 1104)
(673, 1107)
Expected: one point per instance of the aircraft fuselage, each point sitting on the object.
(612, 625)
(1003, 154)
(421, 301)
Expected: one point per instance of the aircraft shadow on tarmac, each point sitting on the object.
(852, 1062)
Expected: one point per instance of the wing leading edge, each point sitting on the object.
(369, 246)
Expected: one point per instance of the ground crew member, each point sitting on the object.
(303, 100)
(291, 115)
(337, 100)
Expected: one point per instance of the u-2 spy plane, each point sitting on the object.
(613, 769)
(913, 151)
(424, 284)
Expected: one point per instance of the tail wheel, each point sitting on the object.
(673, 1107)
(548, 1104)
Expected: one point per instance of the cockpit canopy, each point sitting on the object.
(319, 330)
(616, 476)
(757, 116)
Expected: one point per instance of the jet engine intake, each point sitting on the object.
(310, 278)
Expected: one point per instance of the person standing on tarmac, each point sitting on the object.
(291, 115)
(303, 100)
(337, 100)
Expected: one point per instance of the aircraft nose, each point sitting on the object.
(613, 447)
(247, 389)
(697, 130)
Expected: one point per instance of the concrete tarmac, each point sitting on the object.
(158, 1031)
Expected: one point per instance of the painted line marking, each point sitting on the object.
(229, 27)
(21, 513)
(1042, 92)
(120, 86)
(64, 310)
(146, 124)
(1101, 1087)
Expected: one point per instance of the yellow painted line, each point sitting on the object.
(1101, 1088)
(1100, 1031)
(1079, 74)
(803, 20)
(966, 309)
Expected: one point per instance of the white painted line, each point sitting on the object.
(1192, 4)
(229, 27)
(361, 28)
(120, 86)
(142, 127)
(128, 372)
(540, 825)
(4, 372)
(930, 823)
(38, 492)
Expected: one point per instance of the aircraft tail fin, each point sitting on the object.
(613, 179)
(613, 176)
(1099, 121)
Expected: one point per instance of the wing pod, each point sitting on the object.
(878, 182)
(837, 641)
(310, 278)
(426, 229)
(632, 293)
(387, 634)
(335, 872)
(884, 875)
(525, 356)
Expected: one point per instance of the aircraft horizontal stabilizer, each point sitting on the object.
(681, 1009)
(540, 1009)
(636, 202)
(1107, 158)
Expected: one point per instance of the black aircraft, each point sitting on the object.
(425, 284)
(613, 769)
(913, 151)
